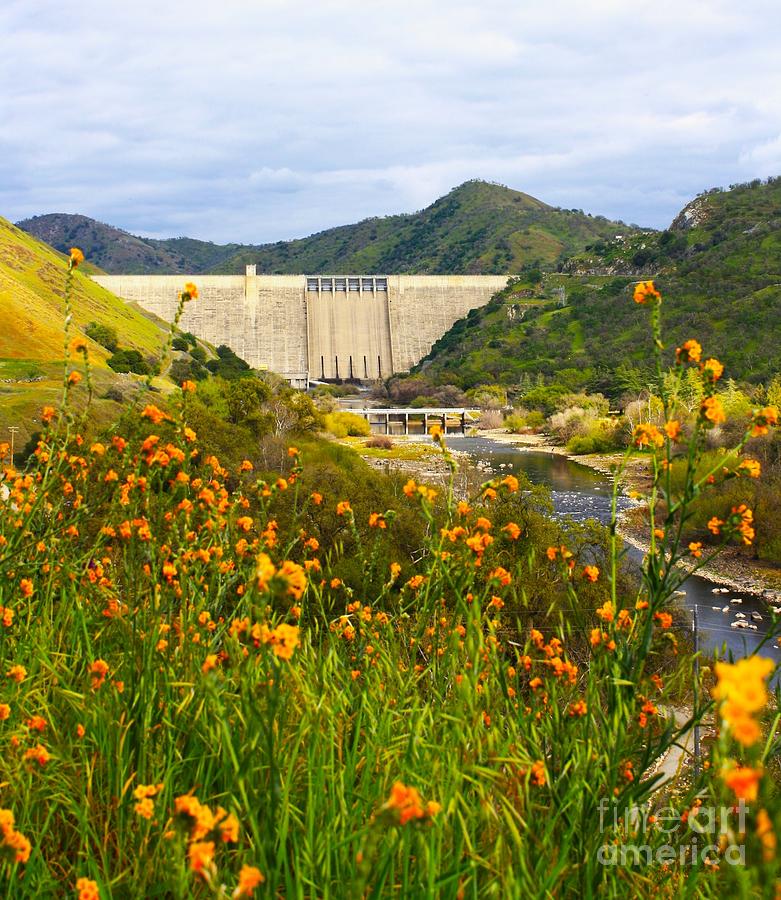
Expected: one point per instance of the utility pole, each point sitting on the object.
(13, 429)
(696, 692)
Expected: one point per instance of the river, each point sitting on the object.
(582, 493)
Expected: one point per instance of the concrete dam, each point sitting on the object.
(313, 327)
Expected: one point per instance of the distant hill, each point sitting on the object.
(719, 266)
(32, 277)
(117, 251)
(478, 228)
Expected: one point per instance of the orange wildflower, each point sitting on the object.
(76, 257)
(712, 410)
(249, 879)
(750, 467)
(645, 292)
(406, 804)
(647, 435)
(691, 351)
(764, 419)
(712, 369)
(201, 855)
(743, 781)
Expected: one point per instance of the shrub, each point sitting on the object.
(104, 335)
(380, 442)
(515, 423)
(346, 424)
(491, 418)
(129, 361)
(180, 343)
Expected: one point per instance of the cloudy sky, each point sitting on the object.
(259, 120)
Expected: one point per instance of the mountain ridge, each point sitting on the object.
(476, 228)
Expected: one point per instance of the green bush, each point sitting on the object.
(128, 361)
(104, 335)
(515, 423)
(346, 424)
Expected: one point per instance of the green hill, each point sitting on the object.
(114, 250)
(32, 276)
(719, 266)
(476, 228)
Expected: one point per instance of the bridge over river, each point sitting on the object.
(404, 420)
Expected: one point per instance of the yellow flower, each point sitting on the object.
(591, 573)
(190, 292)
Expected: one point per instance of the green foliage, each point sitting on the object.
(128, 361)
(727, 296)
(346, 424)
(105, 335)
(227, 365)
(180, 343)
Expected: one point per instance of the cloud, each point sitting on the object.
(258, 120)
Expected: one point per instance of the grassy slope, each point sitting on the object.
(32, 277)
(477, 227)
(722, 283)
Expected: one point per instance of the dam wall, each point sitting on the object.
(315, 327)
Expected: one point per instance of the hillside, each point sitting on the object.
(476, 228)
(32, 276)
(719, 266)
(114, 250)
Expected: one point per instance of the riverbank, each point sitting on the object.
(730, 568)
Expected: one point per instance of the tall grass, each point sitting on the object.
(178, 631)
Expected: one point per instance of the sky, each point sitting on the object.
(264, 120)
